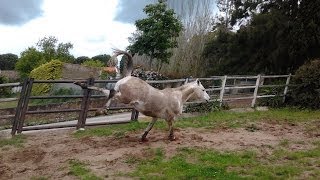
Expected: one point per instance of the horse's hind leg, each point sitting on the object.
(171, 134)
(107, 105)
(146, 131)
(113, 95)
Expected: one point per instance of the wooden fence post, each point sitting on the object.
(286, 88)
(19, 107)
(223, 85)
(25, 104)
(134, 115)
(255, 93)
(186, 81)
(85, 104)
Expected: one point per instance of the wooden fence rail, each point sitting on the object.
(222, 88)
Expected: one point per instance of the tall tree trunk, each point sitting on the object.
(196, 16)
(150, 63)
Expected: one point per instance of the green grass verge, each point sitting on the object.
(212, 120)
(79, 169)
(188, 164)
(10, 104)
(117, 130)
(207, 164)
(238, 119)
(17, 141)
(283, 163)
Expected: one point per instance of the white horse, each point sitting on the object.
(166, 104)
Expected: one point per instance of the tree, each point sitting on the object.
(8, 61)
(306, 93)
(4, 91)
(81, 59)
(156, 34)
(226, 8)
(92, 63)
(45, 51)
(48, 46)
(104, 58)
(187, 59)
(242, 11)
(30, 59)
(280, 37)
(63, 52)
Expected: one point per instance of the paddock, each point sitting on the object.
(278, 144)
(222, 89)
(235, 143)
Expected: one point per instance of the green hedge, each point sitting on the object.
(4, 91)
(203, 107)
(93, 63)
(307, 92)
(48, 71)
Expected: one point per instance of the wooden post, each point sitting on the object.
(85, 105)
(134, 115)
(19, 107)
(25, 104)
(186, 81)
(255, 93)
(286, 88)
(223, 85)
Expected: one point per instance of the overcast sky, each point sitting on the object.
(92, 26)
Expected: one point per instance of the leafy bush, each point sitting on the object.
(104, 58)
(203, 107)
(274, 102)
(65, 91)
(4, 91)
(8, 61)
(306, 93)
(81, 59)
(93, 63)
(30, 59)
(105, 75)
(49, 71)
(58, 92)
(150, 75)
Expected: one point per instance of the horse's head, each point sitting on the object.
(199, 92)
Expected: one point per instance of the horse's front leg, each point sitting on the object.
(171, 134)
(146, 131)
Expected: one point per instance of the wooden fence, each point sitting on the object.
(216, 86)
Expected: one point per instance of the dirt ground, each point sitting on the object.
(47, 153)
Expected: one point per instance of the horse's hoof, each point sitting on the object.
(172, 138)
(142, 140)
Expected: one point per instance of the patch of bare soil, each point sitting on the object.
(47, 153)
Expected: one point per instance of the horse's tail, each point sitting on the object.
(118, 52)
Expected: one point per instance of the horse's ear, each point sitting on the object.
(198, 82)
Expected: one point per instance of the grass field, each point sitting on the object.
(189, 163)
(288, 158)
(219, 119)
